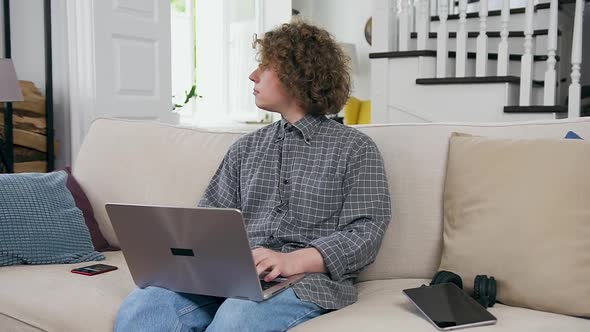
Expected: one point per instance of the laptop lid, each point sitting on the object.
(191, 250)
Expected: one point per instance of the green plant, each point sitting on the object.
(178, 5)
(192, 93)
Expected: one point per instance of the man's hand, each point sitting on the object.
(287, 264)
(276, 263)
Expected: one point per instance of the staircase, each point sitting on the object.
(453, 61)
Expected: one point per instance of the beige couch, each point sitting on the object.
(144, 162)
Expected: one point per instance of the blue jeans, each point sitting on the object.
(159, 309)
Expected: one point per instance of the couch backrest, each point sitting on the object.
(145, 162)
(151, 163)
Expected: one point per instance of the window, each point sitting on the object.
(212, 47)
(243, 24)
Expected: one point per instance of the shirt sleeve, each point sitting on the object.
(365, 214)
(224, 189)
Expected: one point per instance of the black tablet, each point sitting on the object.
(448, 307)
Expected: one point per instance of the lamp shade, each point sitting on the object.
(9, 88)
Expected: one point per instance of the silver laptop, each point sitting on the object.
(191, 250)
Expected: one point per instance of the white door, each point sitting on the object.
(132, 45)
(120, 55)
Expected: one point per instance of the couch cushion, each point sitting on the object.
(51, 298)
(141, 162)
(10, 324)
(381, 306)
(518, 210)
(415, 158)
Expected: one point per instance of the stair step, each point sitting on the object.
(490, 34)
(495, 12)
(401, 54)
(474, 80)
(535, 109)
(452, 54)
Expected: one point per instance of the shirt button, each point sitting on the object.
(290, 129)
(278, 209)
(271, 237)
(286, 181)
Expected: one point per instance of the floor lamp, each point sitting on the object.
(9, 91)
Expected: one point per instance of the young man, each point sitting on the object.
(313, 193)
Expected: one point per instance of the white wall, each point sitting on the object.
(345, 20)
(27, 35)
(275, 12)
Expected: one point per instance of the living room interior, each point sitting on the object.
(162, 88)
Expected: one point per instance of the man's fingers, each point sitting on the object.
(272, 275)
(262, 266)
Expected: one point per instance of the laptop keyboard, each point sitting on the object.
(266, 285)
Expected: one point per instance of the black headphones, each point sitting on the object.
(484, 287)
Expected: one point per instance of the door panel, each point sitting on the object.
(132, 61)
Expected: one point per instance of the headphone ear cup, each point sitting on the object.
(492, 288)
(437, 278)
(484, 290)
(442, 277)
(477, 283)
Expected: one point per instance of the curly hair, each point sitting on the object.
(310, 64)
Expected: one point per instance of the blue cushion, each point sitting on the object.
(40, 223)
(571, 135)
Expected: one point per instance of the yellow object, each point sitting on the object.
(365, 112)
(351, 111)
(357, 111)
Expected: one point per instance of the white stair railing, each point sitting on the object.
(405, 25)
(422, 22)
(574, 94)
(442, 40)
(503, 46)
(393, 21)
(526, 62)
(550, 75)
(481, 57)
(461, 40)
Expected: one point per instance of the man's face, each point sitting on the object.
(269, 92)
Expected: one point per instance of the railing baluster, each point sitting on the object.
(433, 7)
(404, 25)
(481, 58)
(384, 27)
(442, 38)
(550, 75)
(503, 46)
(574, 89)
(461, 40)
(452, 6)
(422, 22)
(526, 62)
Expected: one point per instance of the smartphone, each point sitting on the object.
(95, 269)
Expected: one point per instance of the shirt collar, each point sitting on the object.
(307, 126)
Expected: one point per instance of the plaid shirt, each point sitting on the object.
(315, 183)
